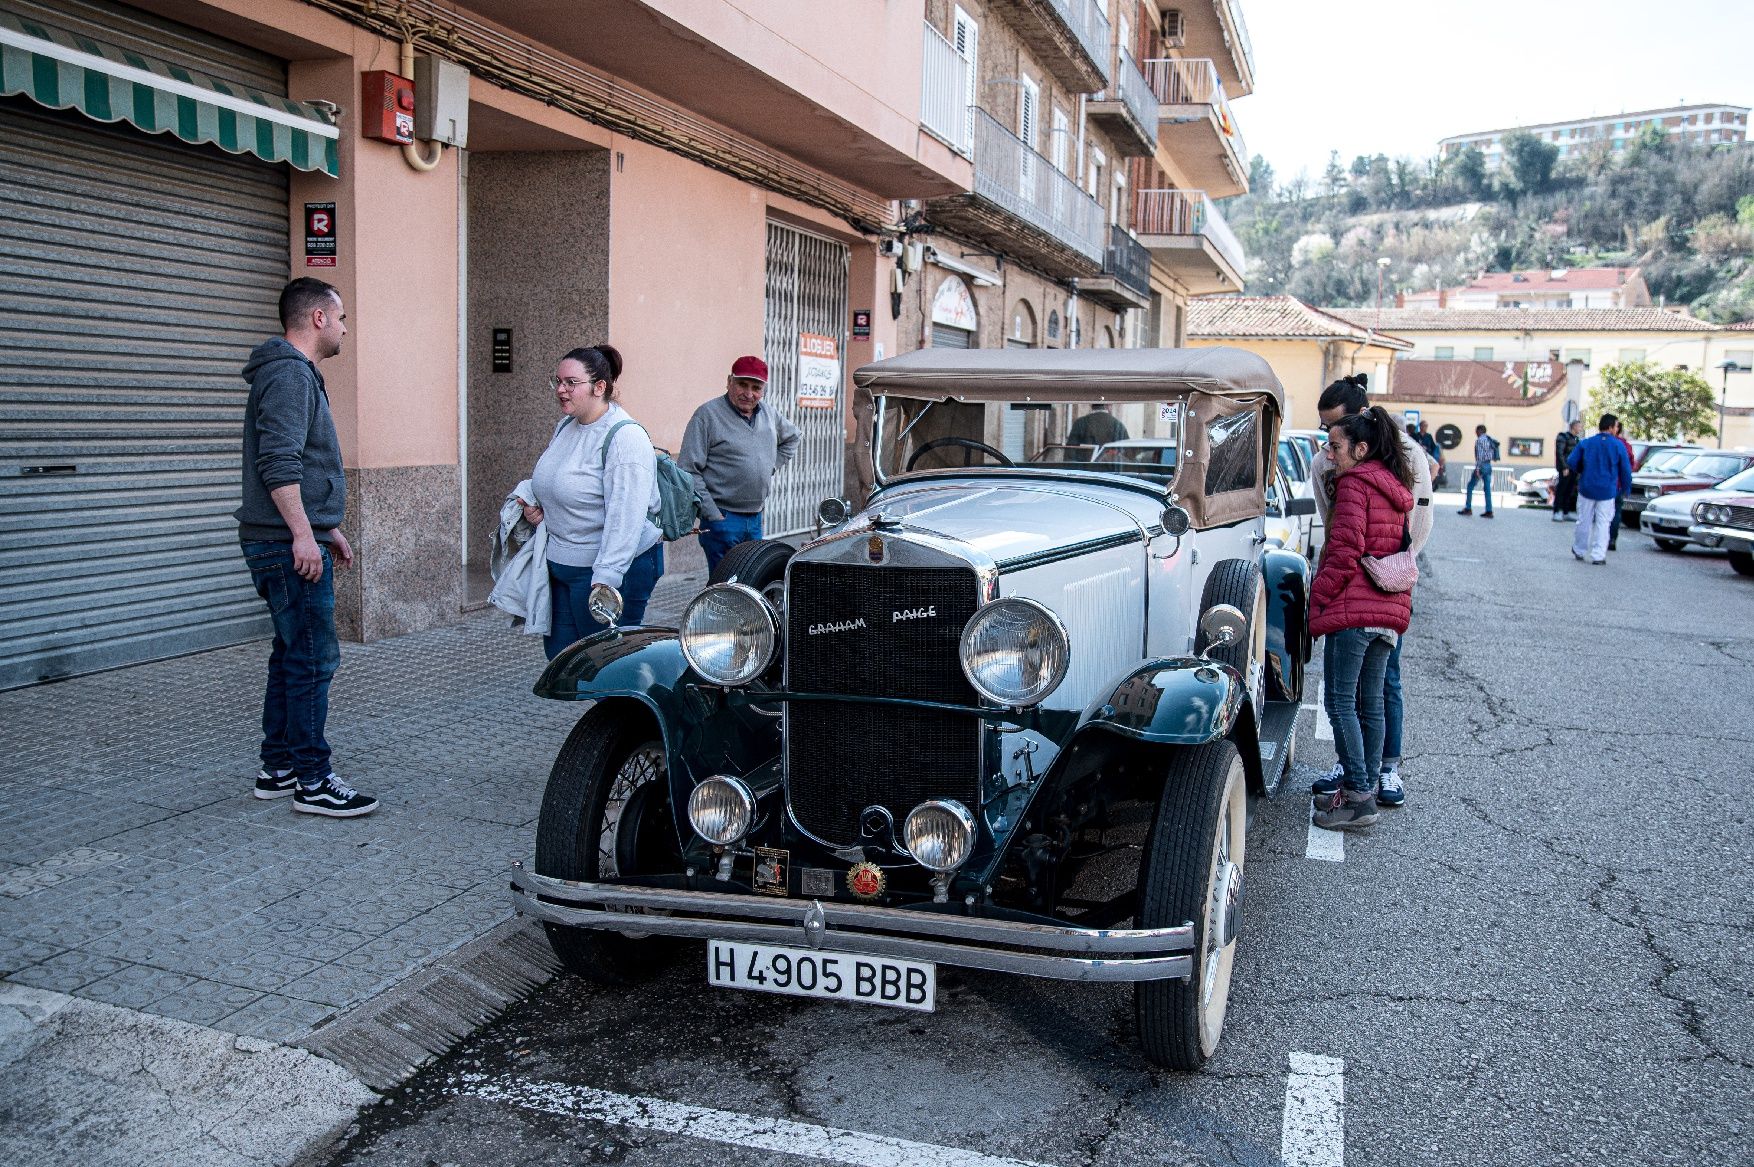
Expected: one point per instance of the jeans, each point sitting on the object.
(1614, 520)
(302, 662)
(1483, 475)
(1594, 528)
(718, 536)
(1354, 663)
(1393, 709)
(570, 590)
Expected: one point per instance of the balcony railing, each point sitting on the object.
(1187, 212)
(1127, 261)
(1089, 23)
(1010, 174)
(1194, 81)
(1243, 46)
(1128, 86)
(944, 91)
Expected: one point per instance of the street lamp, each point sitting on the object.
(1382, 265)
(1728, 367)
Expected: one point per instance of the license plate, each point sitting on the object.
(798, 972)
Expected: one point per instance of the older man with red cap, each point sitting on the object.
(733, 447)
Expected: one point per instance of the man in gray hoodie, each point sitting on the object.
(294, 497)
(733, 447)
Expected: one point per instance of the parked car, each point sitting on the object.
(1007, 716)
(1536, 485)
(1152, 458)
(1695, 473)
(1726, 519)
(1284, 529)
(1299, 482)
(1669, 519)
(1309, 443)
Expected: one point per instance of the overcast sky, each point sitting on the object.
(1394, 76)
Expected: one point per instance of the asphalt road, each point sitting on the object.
(1541, 959)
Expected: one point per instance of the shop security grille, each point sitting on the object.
(806, 298)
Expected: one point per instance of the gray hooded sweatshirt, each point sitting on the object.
(289, 437)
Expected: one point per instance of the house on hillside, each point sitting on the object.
(1579, 287)
(1308, 348)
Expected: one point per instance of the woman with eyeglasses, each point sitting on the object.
(598, 490)
(1373, 499)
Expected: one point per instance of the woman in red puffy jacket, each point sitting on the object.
(1373, 498)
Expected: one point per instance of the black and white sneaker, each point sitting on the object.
(275, 783)
(334, 798)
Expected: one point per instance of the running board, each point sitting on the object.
(1278, 742)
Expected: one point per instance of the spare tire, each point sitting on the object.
(759, 564)
(1237, 582)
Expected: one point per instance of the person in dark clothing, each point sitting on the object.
(1565, 486)
(294, 497)
(1429, 444)
(1620, 499)
(1096, 428)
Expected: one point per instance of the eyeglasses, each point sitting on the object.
(571, 384)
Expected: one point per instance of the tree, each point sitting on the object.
(1656, 404)
(1530, 160)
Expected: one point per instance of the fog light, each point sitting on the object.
(721, 809)
(939, 834)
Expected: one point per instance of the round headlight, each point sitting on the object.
(939, 834)
(721, 809)
(730, 633)
(1015, 652)
(1717, 514)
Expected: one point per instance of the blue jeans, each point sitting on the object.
(570, 591)
(1354, 663)
(1483, 475)
(302, 662)
(1393, 709)
(718, 536)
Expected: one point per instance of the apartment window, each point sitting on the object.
(1117, 207)
(967, 43)
(1062, 135)
(1444, 352)
(1098, 163)
(1576, 354)
(1628, 355)
(1028, 101)
(1483, 352)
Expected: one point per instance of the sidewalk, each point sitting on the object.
(137, 870)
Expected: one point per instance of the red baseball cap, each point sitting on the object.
(750, 369)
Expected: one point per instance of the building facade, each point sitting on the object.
(1699, 125)
(1578, 287)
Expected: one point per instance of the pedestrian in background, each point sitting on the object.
(1099, 427)
(1372, 517)
(1604, 475)
(1620, 499)
(1430, 446)
(733, 447)
(1345, 398)
(1565, 486)
(1485, 454)
(597, 488)
(294, 498)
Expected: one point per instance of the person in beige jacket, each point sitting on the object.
(1344, 397)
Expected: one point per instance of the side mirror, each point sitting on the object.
(1300, 506)
(605, 604)
(1221, 625)
(1175, 520)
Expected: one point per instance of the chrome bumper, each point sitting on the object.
(1010, 946)
(1713, 535)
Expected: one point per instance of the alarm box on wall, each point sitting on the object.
(386, 106)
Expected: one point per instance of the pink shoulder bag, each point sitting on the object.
(1397, 572)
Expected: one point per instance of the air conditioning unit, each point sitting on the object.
(1174, 31)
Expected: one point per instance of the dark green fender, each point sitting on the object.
(1180, 701)
(1288, 642)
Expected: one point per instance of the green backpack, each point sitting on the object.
(678, 509)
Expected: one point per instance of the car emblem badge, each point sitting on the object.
(866, 880)
(874, 548)
(770, 871)
(815, 881)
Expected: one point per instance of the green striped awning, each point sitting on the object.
(63, 70)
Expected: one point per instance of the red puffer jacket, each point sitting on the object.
(1370, 512)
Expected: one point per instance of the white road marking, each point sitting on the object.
(724, 1126)
(1328, 845)
(1314, 1132)
(1324, 728)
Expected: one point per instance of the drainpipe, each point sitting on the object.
(414, 153)
(1369, 335)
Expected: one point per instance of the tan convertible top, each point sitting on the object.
(1071, 375)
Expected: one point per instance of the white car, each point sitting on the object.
(1537, 485)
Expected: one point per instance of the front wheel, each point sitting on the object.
(1743, 562)
(606, 815)
(1192, 871)
(1671, 544)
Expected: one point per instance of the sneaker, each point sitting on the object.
(1575, 555)
(1487, 515)
(334, 798)
(275, 783)
(1598, 563)
(1613, 546)
(1389, 791)
(1355, 808)
(1557, 518)
(1464, 511)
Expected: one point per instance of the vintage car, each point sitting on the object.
(1680, 476)
(1005, 717)
(1726, 519)
(1669, 519)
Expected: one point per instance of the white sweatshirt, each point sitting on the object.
(596, 517)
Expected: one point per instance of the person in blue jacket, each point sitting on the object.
(1604, 474)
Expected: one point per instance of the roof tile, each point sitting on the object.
(1399, 320)
(1275, 318)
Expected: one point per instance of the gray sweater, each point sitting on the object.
(289, 438)
(733, 458)
(597, 515)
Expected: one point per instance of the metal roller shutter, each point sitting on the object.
(136, 273)
(806, 293)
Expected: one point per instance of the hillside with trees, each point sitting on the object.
(1685, 214)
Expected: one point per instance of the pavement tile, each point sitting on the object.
(16, 954)
(275, 1018)
(69, 971)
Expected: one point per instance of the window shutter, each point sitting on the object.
(968, 40)
(1026, 114)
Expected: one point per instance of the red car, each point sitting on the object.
(1703, 469)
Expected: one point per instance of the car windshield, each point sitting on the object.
(1289, 463)
(1138, 439)
(1669, 461)
(1712, 466)
(1156, 462)
(1742, 481)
